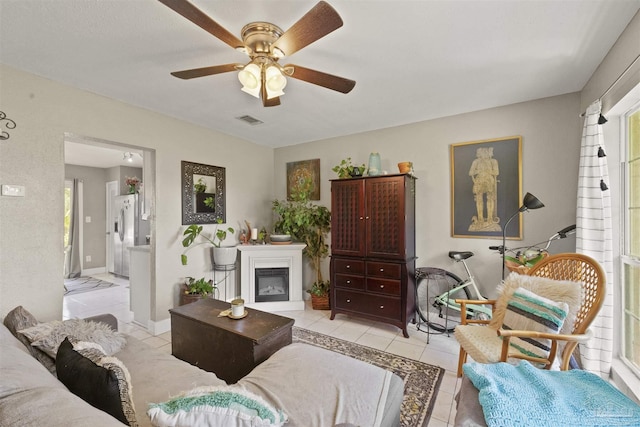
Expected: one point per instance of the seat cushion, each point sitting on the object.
(482, 343)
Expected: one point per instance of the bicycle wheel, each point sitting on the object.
(432, 310)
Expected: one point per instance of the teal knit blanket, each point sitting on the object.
(524, 395)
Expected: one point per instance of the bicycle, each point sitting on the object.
(441, 302)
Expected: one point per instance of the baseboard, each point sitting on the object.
(90, 271)
(157, 328)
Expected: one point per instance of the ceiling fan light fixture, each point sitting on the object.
(252, 91)
(249, 76)
(275, 80)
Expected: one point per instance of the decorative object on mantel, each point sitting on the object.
(307, 223)
(222, 255)
(346, 169)
(132, 182)
(9, 125)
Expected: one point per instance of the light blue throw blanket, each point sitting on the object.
(524, 395)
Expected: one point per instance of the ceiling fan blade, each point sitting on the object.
(198, 17)
(339, 84)
(205, 71)
(273, 102)
(317, 23)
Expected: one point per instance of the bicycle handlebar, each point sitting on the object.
(557, 236)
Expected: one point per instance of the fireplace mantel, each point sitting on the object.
(271, 256)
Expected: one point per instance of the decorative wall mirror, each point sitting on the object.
(203, 193)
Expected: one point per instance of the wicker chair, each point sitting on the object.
(568, 266)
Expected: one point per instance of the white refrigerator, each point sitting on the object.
(128, 230)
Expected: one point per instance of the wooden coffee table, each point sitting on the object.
(229, 348)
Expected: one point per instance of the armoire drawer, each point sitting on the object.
(348, 266)
(384, 286)
(384, 269)
(349, 281)
(375, 305)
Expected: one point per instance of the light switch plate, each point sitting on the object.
(13, 190)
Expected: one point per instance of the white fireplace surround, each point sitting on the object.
(271, 256)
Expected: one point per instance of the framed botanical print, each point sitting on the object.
(486, 187)
(298, 172)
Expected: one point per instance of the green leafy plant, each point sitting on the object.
(200, 186)
(193, 232)
(305, 222)
(200, 286)
(319, 289)
(346, 169)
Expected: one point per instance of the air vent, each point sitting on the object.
(250, 120)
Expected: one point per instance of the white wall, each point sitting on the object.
(550, 130)
(31, 256)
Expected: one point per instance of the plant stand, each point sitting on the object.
(320, 302)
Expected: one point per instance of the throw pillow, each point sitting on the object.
(19, 318)
(98, 379)
(212, 406)
(555, 290)
(48, 336)
(530, 312)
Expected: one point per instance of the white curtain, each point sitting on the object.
(72, 252)
(594, 236)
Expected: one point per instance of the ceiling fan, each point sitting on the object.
(265, 44)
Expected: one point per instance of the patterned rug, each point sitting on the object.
(78, 285)
(421, 381)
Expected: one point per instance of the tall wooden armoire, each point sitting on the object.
(373, 248)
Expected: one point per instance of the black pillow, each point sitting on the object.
(100, 386)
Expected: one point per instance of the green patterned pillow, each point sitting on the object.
(224, 406)
(530, 312)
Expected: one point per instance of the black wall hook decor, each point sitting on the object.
(602, 120)
(601, 152)
(9, 125)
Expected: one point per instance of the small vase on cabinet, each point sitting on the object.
(375, 168)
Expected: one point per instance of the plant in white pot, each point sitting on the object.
(222, 255)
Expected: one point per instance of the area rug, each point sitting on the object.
(421, 381)
(79, 285)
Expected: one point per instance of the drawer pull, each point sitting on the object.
(381, 307)
(381, 286)
(381, 270)
(348, 266)
(348, 282)
(348, 300)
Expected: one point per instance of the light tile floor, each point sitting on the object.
(440, 351)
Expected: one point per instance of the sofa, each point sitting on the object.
(306, 385)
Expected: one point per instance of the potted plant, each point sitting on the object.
(346, 169)
(222, 255)
(193, 290)
(310, 224)
(320, 295)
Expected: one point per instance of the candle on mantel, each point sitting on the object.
(254, 234)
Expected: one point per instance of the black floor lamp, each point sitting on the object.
(529, 202)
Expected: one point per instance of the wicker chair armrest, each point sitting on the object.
(463, 309)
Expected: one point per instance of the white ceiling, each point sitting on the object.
(412, 60)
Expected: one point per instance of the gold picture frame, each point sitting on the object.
(486, 187)
(303, 170)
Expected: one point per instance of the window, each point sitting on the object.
(630, 255)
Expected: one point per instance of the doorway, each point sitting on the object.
(105, 166)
